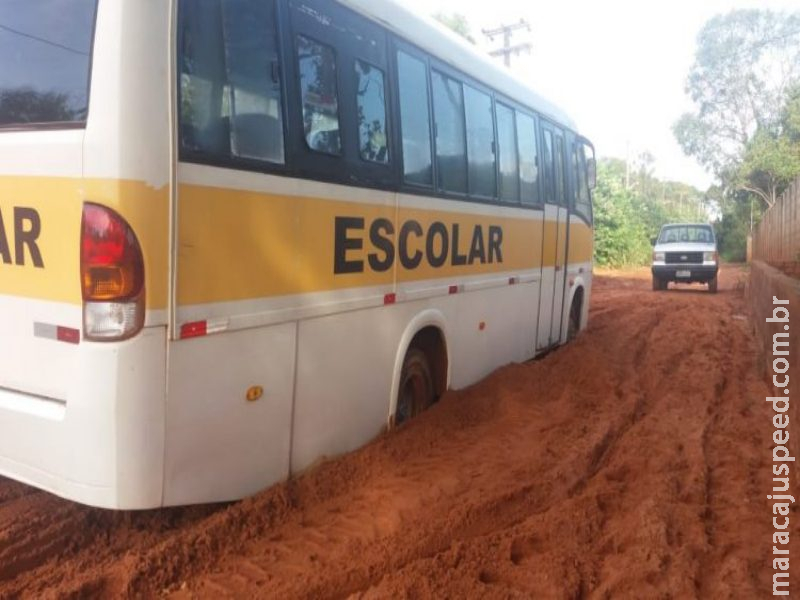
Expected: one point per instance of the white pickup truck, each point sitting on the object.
(685, 253)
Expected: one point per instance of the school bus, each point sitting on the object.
(240, 236)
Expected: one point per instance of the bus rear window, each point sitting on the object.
(45, 57)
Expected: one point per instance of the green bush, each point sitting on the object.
(626, 217)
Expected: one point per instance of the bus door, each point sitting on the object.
(554, 238)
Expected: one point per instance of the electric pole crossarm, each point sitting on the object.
(506, 31)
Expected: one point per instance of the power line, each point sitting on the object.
(42, 40)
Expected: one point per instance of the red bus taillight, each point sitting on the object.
(112, 276)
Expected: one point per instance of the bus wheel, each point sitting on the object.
(575, 310)
(574, 321)
(416, 392)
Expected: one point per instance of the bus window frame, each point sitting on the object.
(359, 170)
(559, 139)
(548, 174)
(398, 45)
(486, 92)
(539, 121)
(232, 162)
(337, 67)
(454, 75)
(307, 162)
(390, 158)
(537, 126)
(579, 145)
(515, 131)
(346, 168)
(349, 168)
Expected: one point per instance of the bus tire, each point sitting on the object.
(417, 391)
(574, 324)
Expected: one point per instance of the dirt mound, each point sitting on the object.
(634, 462)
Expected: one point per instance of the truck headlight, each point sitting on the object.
(709, 257)
(658, 257)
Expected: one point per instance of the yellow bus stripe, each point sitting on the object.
(238, 245)
(59, 202)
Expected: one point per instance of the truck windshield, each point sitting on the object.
(674, 234)
(45, 56)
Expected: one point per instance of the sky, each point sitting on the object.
(617, 67)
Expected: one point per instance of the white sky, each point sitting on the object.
(618, 67)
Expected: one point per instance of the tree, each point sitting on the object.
(745, 66)
(457, 23)
(26, 105)
(625, 218)
(791, 115)
(620, 237)
(736, 210)
(771, 161)
(772, 157)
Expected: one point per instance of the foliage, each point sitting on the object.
(737, 210)
(770, 162)
(456, 22)
(620, 237)
(746, 65)
(26, 105)
(626, 216)
(791, 115)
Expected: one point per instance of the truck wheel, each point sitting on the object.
(712, 285)
(416, 391)
(658, 285)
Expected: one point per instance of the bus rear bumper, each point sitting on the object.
(103, 444)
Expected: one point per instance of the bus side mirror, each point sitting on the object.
(591, 172)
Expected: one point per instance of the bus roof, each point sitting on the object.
(451, 48)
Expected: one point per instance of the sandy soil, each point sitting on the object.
(632, 463)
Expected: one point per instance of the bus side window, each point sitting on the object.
(528, 159)
(507, 144)
(480, 143)
(231, 99)
(202, 85)
(561, 183)
(451, 142)
(583, 204)
(252, 53)
(549, 188)
(317, 68)
(414, 120)
(371, 100)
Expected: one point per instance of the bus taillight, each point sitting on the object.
(112, 276)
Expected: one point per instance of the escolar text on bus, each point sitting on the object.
(26, 229)
(438, 245)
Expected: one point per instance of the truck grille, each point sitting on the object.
(683, 258)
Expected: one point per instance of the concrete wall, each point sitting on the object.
(766, 282)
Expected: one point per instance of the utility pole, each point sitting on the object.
(507, 31)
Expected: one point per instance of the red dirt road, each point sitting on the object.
(633, 463)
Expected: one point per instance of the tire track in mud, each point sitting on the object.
(614, 466)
